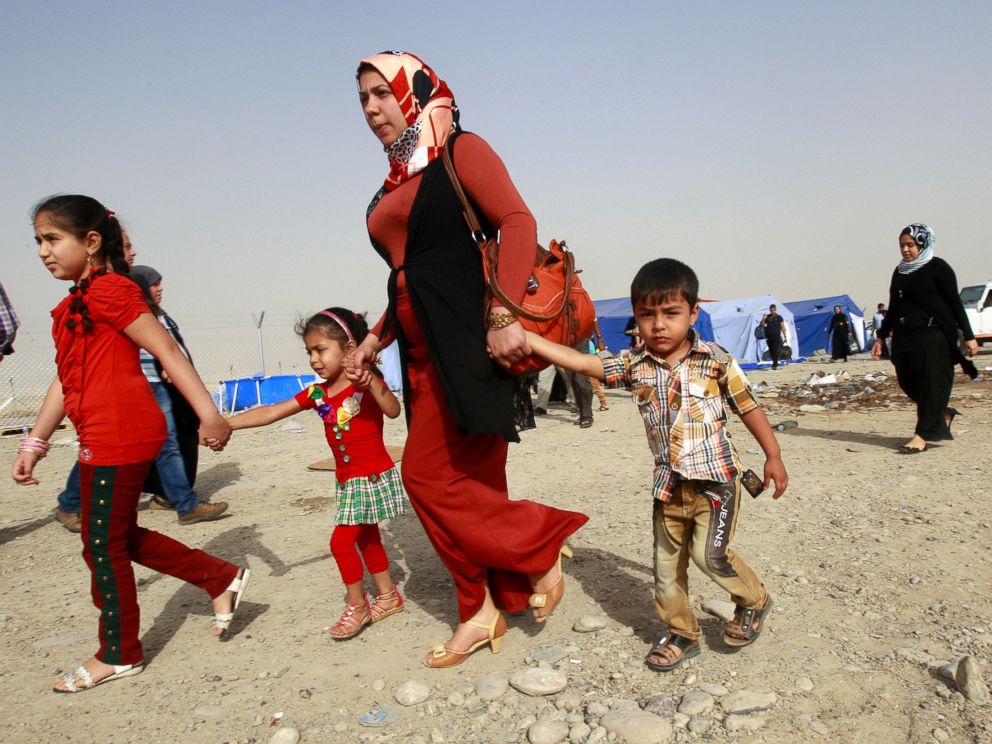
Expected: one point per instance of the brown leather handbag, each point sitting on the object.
(555, 305)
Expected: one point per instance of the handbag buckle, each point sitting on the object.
(478, 236)
(532, 284)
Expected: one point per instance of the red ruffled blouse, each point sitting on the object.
(353, 426)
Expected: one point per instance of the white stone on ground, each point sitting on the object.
(492, 686)
(547, 732)
(285, 735)
(539, 681)
(590, 623)
(748, 701)
(412, 692)
(695, 702)
(637, 727)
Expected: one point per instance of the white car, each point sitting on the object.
(977, 301)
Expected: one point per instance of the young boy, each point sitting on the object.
(682, 386)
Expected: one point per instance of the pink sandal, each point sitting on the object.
(349, 625)
(393, 598)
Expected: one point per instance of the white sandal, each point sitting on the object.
(82, 674)
(222, 620)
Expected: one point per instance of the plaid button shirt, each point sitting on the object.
(687, 433)
(8, 324)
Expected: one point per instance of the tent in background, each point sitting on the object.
(730, 323)
(734, 322)
(613, 315)
(813, 318)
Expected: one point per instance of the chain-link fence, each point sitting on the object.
(223, 348)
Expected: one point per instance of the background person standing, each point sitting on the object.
(776, 334)
(8, 325)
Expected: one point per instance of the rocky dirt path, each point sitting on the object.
(880, 566)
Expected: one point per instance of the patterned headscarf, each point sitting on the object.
(923, 236)
(428, 106)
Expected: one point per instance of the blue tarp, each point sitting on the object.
(813, 319)
(248, 392)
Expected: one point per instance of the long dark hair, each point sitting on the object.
(79, 215)
(356, 324)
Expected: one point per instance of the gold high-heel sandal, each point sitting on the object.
(552, 596)
(443, 657)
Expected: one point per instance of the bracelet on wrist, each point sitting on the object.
(33, 444)
(501, 320)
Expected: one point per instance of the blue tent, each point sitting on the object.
(813, 318)
(614, 314)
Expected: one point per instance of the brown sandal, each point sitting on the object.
(548, 599)
(442, 656)
(349, 625)
(666, 649)
(747, 625)
(392, 597)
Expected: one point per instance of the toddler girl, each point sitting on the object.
(368, 486)
(98, 330)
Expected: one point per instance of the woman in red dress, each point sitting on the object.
(98, 330)
(502, 554)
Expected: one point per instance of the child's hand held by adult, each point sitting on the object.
(507, 345)
(357, 365)
(215, 432)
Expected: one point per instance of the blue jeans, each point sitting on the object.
(169, 463)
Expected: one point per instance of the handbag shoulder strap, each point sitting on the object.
(488, 249)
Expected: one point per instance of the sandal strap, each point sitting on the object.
(440, 651)
(348, 616)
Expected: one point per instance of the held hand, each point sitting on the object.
(23, 470)
(507, 345)
(971, 347)
(357, 365)
(215, 433)
(775, 471)
(876, 350)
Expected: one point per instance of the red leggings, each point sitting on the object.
(366, 537)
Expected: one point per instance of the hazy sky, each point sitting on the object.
(776, 147)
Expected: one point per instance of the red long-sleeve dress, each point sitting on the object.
(458, 401)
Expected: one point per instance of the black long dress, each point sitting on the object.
(840, 332)
(924, 316)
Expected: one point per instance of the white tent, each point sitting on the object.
(734, 322)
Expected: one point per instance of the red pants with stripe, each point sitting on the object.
(457, 485)
(347, 540)
(112, 540)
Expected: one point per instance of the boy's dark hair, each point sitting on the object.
(657, 280)
(78, 215)
(330, 328)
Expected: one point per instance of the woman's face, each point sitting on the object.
(129, 252)
(155, 290)
(836, 309)
(381, 109)
(908, 248)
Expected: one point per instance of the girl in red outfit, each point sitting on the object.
(368, 486)
(502, 554)
(98, 330)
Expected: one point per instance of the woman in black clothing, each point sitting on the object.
(924, 318)
(840, 334)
